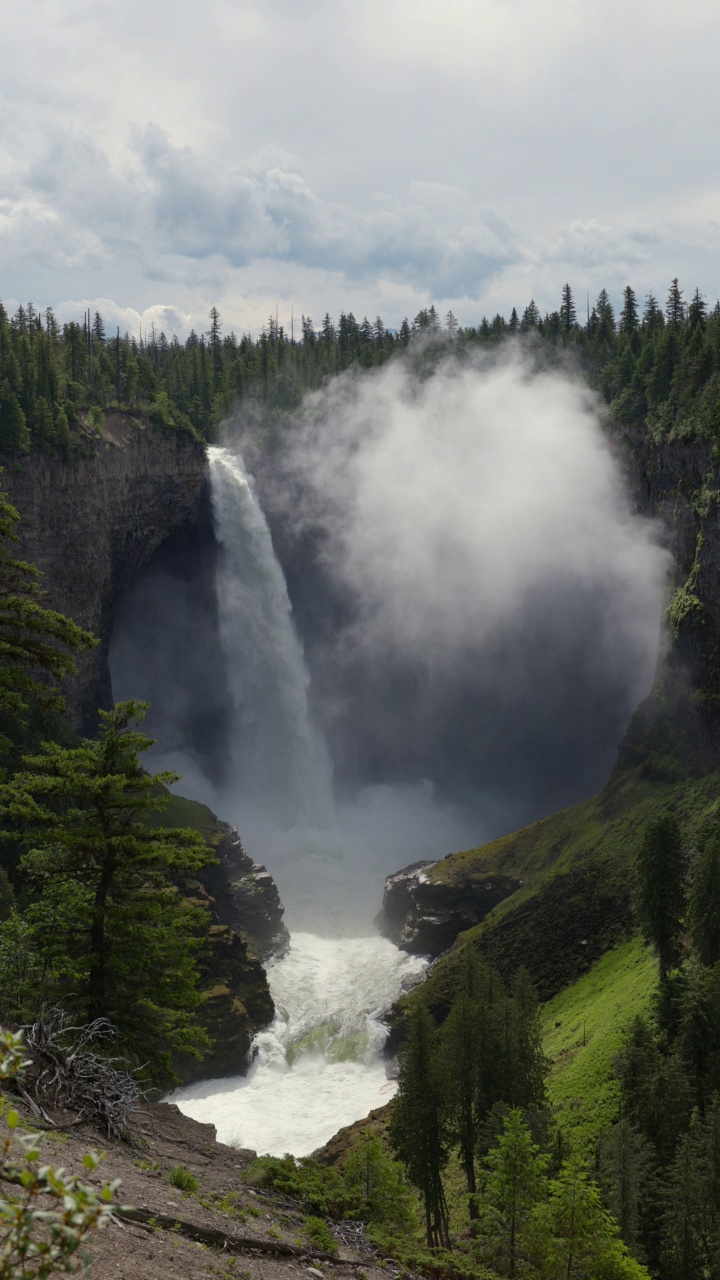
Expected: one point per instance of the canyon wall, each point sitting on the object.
(90, 525)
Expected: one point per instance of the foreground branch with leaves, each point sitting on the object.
(48, 1215)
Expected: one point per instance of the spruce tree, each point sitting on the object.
(662, 889)
(419, 1127)
(36, 643)
(653, 317)
(513, 1183)
(626, 1173)
(568, 314)
(575, 1237)
(530, 317)
(697, 311)
(86, 816)
(704, 903)
(629, 316)
(675, 307)
(525, 1065)
(461, 1040)
(605, 317)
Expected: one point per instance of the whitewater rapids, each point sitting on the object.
(319, 1066)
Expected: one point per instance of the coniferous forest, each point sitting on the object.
(470, 1173)
(655, 364)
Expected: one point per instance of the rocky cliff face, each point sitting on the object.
(92, 523)
(246, 897)
(680, 484)
(424, 915)
(91, 526)
(247, 929)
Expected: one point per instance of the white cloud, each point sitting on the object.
(410, 147)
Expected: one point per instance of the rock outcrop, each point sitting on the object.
(236, 999)
(246, 897)
(424, 915)
(247, 929)
(91, 523)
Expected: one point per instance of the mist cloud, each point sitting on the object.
(495, 601)
(448, 502)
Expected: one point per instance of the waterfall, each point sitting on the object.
(319, 1065)
(278, 757)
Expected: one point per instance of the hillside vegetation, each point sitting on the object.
(578, 874)
(584, 1029)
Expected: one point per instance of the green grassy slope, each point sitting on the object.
(576, 869)
(583, 1029)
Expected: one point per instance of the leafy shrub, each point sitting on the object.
(183, 1179)
(321, 1189)
(44, 1227)
(319, 1234)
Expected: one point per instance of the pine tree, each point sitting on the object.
(568, 314)
(675, 307)
(662, 889)
(85, 814)
(630, 315)
(513, 1183)
(704, 902)
(418, 1129)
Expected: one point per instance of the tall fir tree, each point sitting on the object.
(418, 1130)
(85, 815)
(662, 889)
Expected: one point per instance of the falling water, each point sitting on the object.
(279, 759)
(319, 1066)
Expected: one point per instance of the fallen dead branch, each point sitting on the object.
(72, 1076)
(223, 1240)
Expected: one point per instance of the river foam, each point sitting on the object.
(319, 1066)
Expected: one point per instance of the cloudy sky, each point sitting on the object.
(157, 157)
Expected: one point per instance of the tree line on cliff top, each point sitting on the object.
(655, 366)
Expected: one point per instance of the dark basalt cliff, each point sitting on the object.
(247, 928)
(90, 525)
(424, 916)
(679, 483)
(247, 897)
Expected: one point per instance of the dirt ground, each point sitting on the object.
(166, 1138)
